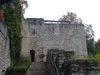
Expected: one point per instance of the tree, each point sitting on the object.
(90, 38)
(24, 5)
(71, 17)
(97, 45)
(90, 46)
(89, 32)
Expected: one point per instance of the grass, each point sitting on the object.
(21, 67)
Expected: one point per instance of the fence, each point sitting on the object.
(61, 63)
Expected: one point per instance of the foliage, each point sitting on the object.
(90, 45)
(20, 67)
(24, 5)
(97, 45)
(71, 17)
(95, 57)
(89, 32)
(13, 16)
(89, 38)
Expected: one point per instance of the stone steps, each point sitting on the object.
(38, 68)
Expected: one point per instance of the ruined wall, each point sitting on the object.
(69, 37)
(25, 38)
(4, 48)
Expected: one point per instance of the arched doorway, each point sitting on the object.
(32, 53)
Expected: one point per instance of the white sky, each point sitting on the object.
(87, 10)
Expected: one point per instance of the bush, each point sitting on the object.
(20, 67)
(95, 57)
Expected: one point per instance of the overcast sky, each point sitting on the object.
(87, 10)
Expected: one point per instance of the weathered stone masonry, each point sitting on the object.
(48, 34)
(4, 48)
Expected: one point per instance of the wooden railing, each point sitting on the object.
(60, 62)
(51, 57)
(55, 59)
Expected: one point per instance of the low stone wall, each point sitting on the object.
(4, 49)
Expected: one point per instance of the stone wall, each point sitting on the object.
(4, 48)
(68, 37)
(25, 38)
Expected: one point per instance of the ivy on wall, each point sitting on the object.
(13, 14)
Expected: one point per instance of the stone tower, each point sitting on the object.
(50, 34)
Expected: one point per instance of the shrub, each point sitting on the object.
(20, 67)
(95, 57)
